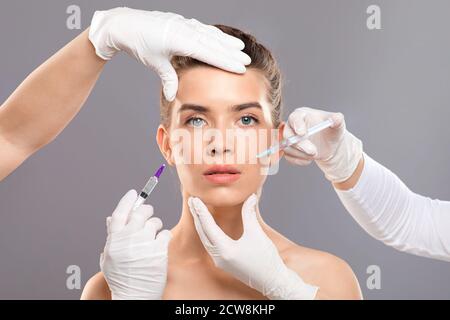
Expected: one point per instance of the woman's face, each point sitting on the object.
(219, 122)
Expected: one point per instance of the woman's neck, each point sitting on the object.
(188, 244)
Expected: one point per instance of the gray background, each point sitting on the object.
(392, 85)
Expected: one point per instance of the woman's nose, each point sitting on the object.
(214, 152)
(218, 148)
(221, 143)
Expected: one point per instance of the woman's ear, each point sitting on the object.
(163, 141)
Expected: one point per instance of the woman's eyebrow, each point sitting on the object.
(240, 107)
(194, 107)
(203, 109)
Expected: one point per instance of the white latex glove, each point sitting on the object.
(134, 261)
(253, 259)
(153, 37)
(336, 151)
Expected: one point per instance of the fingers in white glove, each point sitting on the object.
(253, 259)
(338, 120)
(135, 257)
(138, 218)
(298, 161)
(212, 53)
(203, 238)
(207, 228)
(217, 45)
(218, 51)
(153, 37)
(297, 121)
(302, 153)
(226, 39)
(336, 151)
(219, 58)
(108, 225)
(120, 214)
(169, 79)
(164, 237)
(210, 233)
(152, 226)
(249, 218)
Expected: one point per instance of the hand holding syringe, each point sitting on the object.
(296, 138)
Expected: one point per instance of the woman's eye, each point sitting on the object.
(195, 122)
(247, 120)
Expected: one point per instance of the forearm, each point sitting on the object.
(47, 100)
(353, 180)
(384, 206)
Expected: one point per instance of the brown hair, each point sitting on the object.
(262, 60)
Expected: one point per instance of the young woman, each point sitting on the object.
(221, 247)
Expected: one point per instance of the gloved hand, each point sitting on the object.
(153, 37)
(253, 259)
(134, 261)
(336, 151)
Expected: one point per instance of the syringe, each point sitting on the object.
(296, 138)
(148, 188)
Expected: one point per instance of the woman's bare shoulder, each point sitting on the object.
(96, 288)
(331, 274)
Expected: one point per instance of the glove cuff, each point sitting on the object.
(99, 36)
(341, 166)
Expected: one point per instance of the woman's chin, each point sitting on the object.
(224, 197)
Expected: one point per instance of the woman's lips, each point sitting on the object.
(222, 174)
(222, 178)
